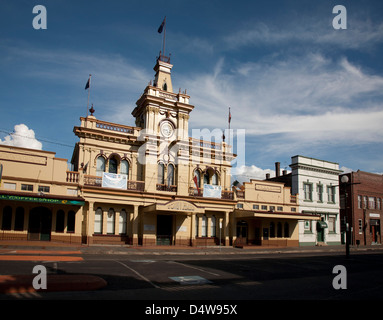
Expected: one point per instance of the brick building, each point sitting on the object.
(361, 205)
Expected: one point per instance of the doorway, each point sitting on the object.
(164, 230)
(242, 228)
(374, 230)
(40, 224)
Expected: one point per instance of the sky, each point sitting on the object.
(295, 85)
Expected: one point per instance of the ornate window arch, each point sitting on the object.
(125, 167)
(171, 169)
(98, 217)
(197, 174)
(110, 221)
(100, 165)
(161, 173)
(122, 222)
(113, 163)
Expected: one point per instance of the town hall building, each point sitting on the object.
(148, 184)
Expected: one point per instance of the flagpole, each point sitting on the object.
(87, 106)
(229, 127)
(163, 52)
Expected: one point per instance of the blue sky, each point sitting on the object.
(293, 82)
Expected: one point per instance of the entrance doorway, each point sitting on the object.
(242, 228)
(40, 224)
(164, 230)
(374, 230)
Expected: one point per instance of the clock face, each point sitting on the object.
(166, 129)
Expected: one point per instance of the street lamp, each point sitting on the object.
(345, 181)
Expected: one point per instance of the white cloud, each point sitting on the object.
(359, 34)
(22, 137)
(346, 169)
(307, 99)
(245, 173)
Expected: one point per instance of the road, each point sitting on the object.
(191, 277)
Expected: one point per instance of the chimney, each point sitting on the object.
(284, 172)
(277, 169)
(267, 176)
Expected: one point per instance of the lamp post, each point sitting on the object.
(345, 182)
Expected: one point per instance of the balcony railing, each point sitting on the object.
(164, 187)
(97, 181)
(72, 176)
(227, 195)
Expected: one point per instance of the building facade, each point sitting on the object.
(38, 200)
(267, 214)
(148, 184)
(316, 181)
(361, 199)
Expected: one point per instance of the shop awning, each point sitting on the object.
(42, 199)
(322, 224)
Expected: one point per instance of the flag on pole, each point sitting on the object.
(229, 116)
(196, 183)
(162, 26)
(87, 84)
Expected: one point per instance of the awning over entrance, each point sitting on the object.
(322, 224)
(175, 206)
(278, 215)
(41, 199)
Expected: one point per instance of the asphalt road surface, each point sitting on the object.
(213, 277)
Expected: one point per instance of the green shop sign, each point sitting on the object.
(41, 200)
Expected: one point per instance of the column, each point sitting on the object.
(226, 228)
(135, 225)
(192, 229)
(89, 220)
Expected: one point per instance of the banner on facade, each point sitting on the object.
(211, 191)
(112, 180)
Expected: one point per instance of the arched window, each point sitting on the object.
(122, 222)
(71, 221)
(165, 87)
(213, 226)
(124, 167)
(272, 230)
(214, 179)
(98, 221)
(204, 226)
(279, 230)
(161, 173)
(206, 178)
(287, 230)
(110, 221)
(100, 166)
(60, 221)
(7, 218)
(112, 165)
(197, 176)
(170, 180)
(19, 220)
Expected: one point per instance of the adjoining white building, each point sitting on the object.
(316, 182)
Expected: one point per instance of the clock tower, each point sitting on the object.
(159, 110)
(163, 116)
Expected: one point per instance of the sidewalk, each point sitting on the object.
(174, 250)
